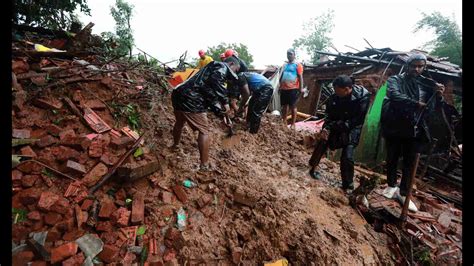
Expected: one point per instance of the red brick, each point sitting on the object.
(121, 217)
(129, 258)
(95, 104)
(47, 104)
(121, 194)
(95, 174)
(104, 226)
(30, 167)
(81, 143)
(107, 208)
(96, 149)
(38, 263)
(207, 211)
(180, 193)
(174, 239)
(63, 252)
(28, 151)
(76, 167)
(169, 255)
(20, 231)
(204, 200)
(74, 260)
(108, 158)
(67, 133)
(109, 237)
(53, 129)
(66, 225)
(34, 215)
(45, 141)
(30, 196)
(81, 195)
(17, 176)
(81, 216)
(73, 235)
(22, 257)
(122, 142)
(138, 209)
(167, 211)
(87, 204)
(63, 153)
(21, 133)
(166, 197)
(135, 170)
(53, 235)
(109, 254)
(47, 200)
(29, 180)
(61, 206)
(52, 218)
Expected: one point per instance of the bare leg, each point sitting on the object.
(284, 112)
(177, 130)
(293, 117)
(203, 144)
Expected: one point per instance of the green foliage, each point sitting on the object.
(448, 41)
(19, 215)
(244, 54)
(48, 14)
(316, 36)
(122, 41)
(129, 111)
(141, 230)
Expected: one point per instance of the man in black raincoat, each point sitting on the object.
(403, 124)
(345, 114)
(193, 98)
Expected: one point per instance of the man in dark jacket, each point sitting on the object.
(191, 100)
(345, 113)
(403, 124)
(259, 87)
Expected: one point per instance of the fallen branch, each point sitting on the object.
(117, 165)
(49, 167)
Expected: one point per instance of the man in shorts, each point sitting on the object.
(291, 85)
(191, 100)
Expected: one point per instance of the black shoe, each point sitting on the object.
(314, 174)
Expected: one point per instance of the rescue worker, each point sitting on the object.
(291, 85)
(402, 122)
(260, 90)
(191, 100)
(345, 113)
(203, 59)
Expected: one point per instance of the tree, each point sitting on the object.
(122, 14)
(49, 14)
(316, 35)
(448, 41)
(244, 54)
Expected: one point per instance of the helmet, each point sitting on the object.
(201, 52)
(416, 56)
(229, 53)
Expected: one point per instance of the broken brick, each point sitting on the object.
(76, 167)
(123, 142)
(174, 239)
(53, 129)
(73, 235)
(20, 66)
(74, 260)
(77, 96)
(136, 170)
(63, 153)
(138, 209)
(87, 204)
(108, 158)
(180, 193)
(45, 141)
(121, 217)
(16, 176)
(107, 208)
(104, 226)
(53, 235)
(96, 149)
(21, 133)
(169, 255)
(28, 151)
(236, 255)
(34, 215)
(22, 257)
(63, 252)
(95, 104)
(29, 180)
(61, 206)
(167, 211)
(207, 211)
(30, 168)
(81, 217)
(95, 174)
(30, 196)
(47, 104)
(109, 253)
(244, 198)
(109, 237)
(47, 200)
(66, 225)
(129, 235)
(204, 200)
(80, 143)
(52, 218)
(67, 133)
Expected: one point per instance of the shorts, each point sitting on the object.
(289, 97)
(197, 121)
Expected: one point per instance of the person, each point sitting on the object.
(204, 59)
(191, 99)
(233, 86)
(345, 114)
(402, 122)
(291, 84)
(260, 90)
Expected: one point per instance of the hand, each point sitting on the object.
(227, 121)
(301, 90)
(324, 134)
(440, 88)
(226, 109)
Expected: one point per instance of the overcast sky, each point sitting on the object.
(167, 28)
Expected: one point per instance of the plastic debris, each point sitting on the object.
(181, 221)
(188, 183)
(91, 245)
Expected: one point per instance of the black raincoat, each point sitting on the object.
(400, 110)
(345, 117)
(205, 90)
